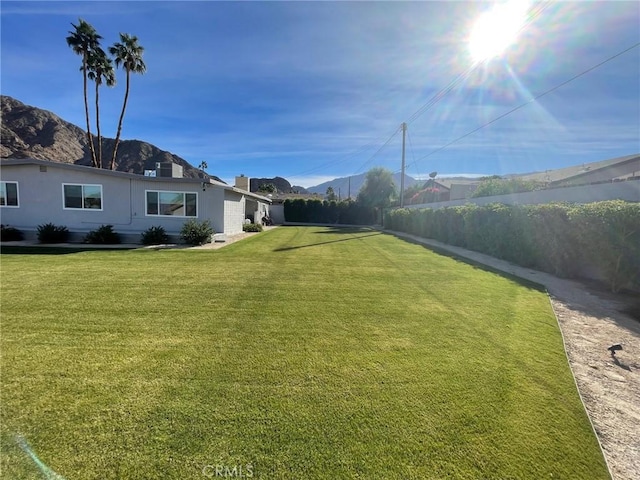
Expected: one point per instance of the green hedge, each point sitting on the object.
(562, 239)
(319, 211)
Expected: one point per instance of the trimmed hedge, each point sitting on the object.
(332, 212)
(562, 239)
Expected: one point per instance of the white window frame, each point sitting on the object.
(6, 205)
(184, 200)
(83, 208)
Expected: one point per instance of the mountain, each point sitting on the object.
(343, 185)
(282, 185)
(29, 132)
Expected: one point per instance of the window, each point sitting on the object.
(179, 204)
(82, 196)
(9, 194)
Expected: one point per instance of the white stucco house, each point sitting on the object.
(35, 192)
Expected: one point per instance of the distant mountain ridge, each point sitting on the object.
(282, 185)
(30, 132)
(343, 185)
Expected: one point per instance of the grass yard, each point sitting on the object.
(299, 353)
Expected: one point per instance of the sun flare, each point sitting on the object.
(496, 29)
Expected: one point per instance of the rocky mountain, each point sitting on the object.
(29, 132)
(343, 185)
(282, 185)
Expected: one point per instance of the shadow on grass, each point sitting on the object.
(285, 249)
(52, 250)
(346, 229)
(479, 265)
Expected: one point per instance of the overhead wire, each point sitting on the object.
(560, 85)
(536, 12)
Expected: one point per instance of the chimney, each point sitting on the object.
(242, 183)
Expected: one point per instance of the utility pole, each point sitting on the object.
(404, 132)
(349, 188)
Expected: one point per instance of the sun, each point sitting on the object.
(496, 29)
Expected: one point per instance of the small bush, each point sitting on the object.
(194, 232)
(252, 227)
(102, 236)
(154, 236)
(10, 234)
(50, 233)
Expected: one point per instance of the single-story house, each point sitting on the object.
(35, 192)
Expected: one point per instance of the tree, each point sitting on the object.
(331, 194)
(267, 188)
(83, 40)
(378, 189)
(100, 69)
(127, 53)
(501, 186)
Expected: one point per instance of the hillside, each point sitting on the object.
(343, 185)
(282, 185)
(30, 132)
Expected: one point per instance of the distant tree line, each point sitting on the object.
(377, 193)
(347, 212)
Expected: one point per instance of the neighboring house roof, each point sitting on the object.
(449, 182)
(577, 171)
(114, 173)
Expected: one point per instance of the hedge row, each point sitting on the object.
(563, 239)
(318, 211)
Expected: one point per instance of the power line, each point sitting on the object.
(537, 11)
(378, 151)
(531, 101)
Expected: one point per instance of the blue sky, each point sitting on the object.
(313, 90)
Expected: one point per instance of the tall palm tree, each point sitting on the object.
(128, 53)
(100, 69)
(83, 40)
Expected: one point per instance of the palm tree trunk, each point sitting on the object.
(124, 107)
(86, 112)
(98, 128)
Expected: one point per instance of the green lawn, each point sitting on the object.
(298, 353)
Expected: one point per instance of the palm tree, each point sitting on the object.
(100, 69)
(83, 40)
(127, 53)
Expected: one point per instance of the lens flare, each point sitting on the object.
(497, 29)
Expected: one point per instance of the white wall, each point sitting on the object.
(629, 191)
(234, 205)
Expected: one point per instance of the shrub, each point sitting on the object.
(154, 236)
(252, 227)
(194, 232)
(50, 233)
(10, 234)
(102, 236)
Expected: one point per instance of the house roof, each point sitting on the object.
(563, 174)
(113, 173)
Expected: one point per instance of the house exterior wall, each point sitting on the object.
(234, 205)
(40, 193)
